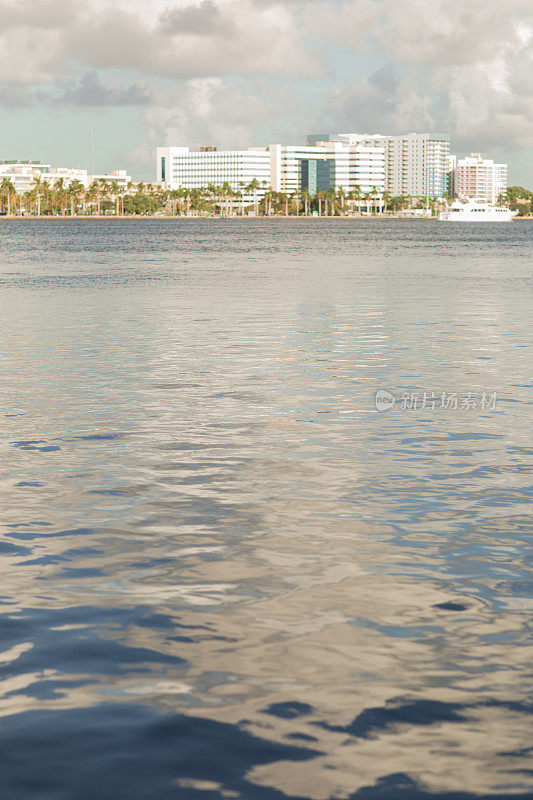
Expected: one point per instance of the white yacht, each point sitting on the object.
(467, 210)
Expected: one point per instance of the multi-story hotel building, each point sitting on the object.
(480, 178)
(183, 168)
(415, 164)
(283, 168)
(328, 165)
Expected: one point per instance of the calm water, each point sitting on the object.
(225, 574)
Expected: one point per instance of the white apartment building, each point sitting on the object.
(183, 168)
(480, 178)
(25, 174)
(415, 163)
(284, 168)
(327, 165)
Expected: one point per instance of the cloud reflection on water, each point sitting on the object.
(192, 521)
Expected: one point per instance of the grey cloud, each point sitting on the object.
(244, 41)
(465, 68)
(462, 66)
(450, 32)
(13, 97)
(112, 39)
(42, 14)
(385, 79)
(292, 4)
(90, 91)
(204, 40)
(202, 20)
(383, 102)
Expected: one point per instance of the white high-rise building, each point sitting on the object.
(328, 165)
(183, 168)
(284, 168)
(480, 178)
(415, 164)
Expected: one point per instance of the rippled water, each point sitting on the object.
(225, 574)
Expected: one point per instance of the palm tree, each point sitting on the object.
(355, 198)
(187, 197)
(227, 195)
(341, 197)
(8, 192)
(331, 195)
(253, 186)
(306, 198)
(296, 198)
(242, 190)
(75, 192)
(115, 192)
(374, 195)
(91, 195)
(318, 196)
(270, 195)
(28, 199)
(268, 199)
(36, 193)
(57, 193)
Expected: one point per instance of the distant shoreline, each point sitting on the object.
(141, 218)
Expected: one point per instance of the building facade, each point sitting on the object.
(480, 178)
(25, 175)
(283, 168)
(327, 165)
(415, 164)
(452, 176)
(183, 168)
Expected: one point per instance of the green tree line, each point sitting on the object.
(111, 199)
(146, 199)
(519, 199)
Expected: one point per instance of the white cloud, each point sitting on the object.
(179, 40)
(205, 111)
(346, 25)
(457, 66)
(465, 67)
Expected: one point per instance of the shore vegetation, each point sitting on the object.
(110, 199)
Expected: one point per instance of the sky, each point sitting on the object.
(236, 73)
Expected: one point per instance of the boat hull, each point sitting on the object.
(446, 216)
(467, 210)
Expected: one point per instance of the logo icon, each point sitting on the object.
(384, 400)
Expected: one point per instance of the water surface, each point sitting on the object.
(225, 573)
